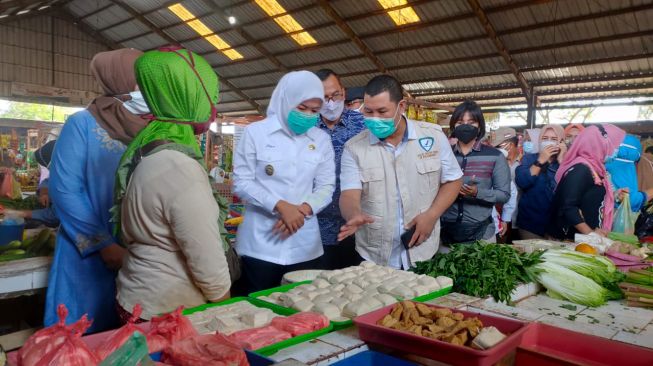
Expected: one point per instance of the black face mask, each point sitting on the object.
(465, 133)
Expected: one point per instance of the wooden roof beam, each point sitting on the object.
(171, 40)
(97, 11)
(250, 40)
(146, 13)
(342, 24)
(86, 29)
(501, 48)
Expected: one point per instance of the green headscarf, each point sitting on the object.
(169, 80)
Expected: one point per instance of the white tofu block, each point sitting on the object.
(369, 293)
(323, 298)
(310, 295)
(329, 310)
(258, 318)
(356, 308)
(353, 289)
(289, 300)
(296, 291)
(352, 296)
(339, 287)
(225, 325)
(444, 281)
(348, 276)
(361, 282)
(340, 302)
(428, 281)
(303, 305)
(386, 299)
(373, 303)
(420, 290)
(368, 264)
(275, 295)
(403, 292)
(326, 275)
(321, 283)
(385, 289)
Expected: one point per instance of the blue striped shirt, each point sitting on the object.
(351, 124)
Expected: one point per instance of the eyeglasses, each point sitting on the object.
(335, 96)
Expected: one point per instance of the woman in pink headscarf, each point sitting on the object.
(584, 199)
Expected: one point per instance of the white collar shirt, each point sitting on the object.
(272, 164)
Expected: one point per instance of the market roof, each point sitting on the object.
(495, 51)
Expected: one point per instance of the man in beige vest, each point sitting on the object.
(397, 175)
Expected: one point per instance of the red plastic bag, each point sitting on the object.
(208, 349)
(121, 335)
(73, 351)
(301, 323)
(168, 329)
(253, 339)
(58, 345)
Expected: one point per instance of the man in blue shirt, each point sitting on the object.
(341, 124)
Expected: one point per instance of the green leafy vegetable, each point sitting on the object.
(482, 269)
(595, 267)
(565, 284)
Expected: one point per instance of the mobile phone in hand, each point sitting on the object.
(406, 236)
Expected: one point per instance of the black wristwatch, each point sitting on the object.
(540, 165)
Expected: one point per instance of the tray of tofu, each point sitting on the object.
(342, 295)
(241, 314)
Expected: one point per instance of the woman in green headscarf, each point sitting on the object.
(165, 204)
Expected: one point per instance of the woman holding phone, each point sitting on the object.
(486, 180)
(536, 179)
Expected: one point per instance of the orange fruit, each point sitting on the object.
(586, 248)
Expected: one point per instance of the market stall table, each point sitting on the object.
(24, 276)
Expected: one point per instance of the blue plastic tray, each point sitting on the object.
(371, 358)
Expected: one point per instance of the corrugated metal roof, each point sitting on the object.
(408, 52)
(81, 8)
(145, 5)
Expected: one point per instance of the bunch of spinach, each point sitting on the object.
(481, 269)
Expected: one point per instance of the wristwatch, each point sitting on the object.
(540, 165)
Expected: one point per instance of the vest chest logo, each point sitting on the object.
(426, 143)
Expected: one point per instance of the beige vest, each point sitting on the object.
(416, 171)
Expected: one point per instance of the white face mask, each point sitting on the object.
(544, 144)
(332, 109)
(137, 104)
(504, 152)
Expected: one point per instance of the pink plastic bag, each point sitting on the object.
(168, 329)
(121, 335)
(58, 345)
(301, 323)
(208, 349)
(253, 339)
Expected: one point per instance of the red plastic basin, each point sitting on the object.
(441, 351)
(546, 345)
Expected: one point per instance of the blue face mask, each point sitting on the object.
(381, 127)
(529, 147)
(300, 122)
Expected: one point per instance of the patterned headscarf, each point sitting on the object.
(181, 90)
